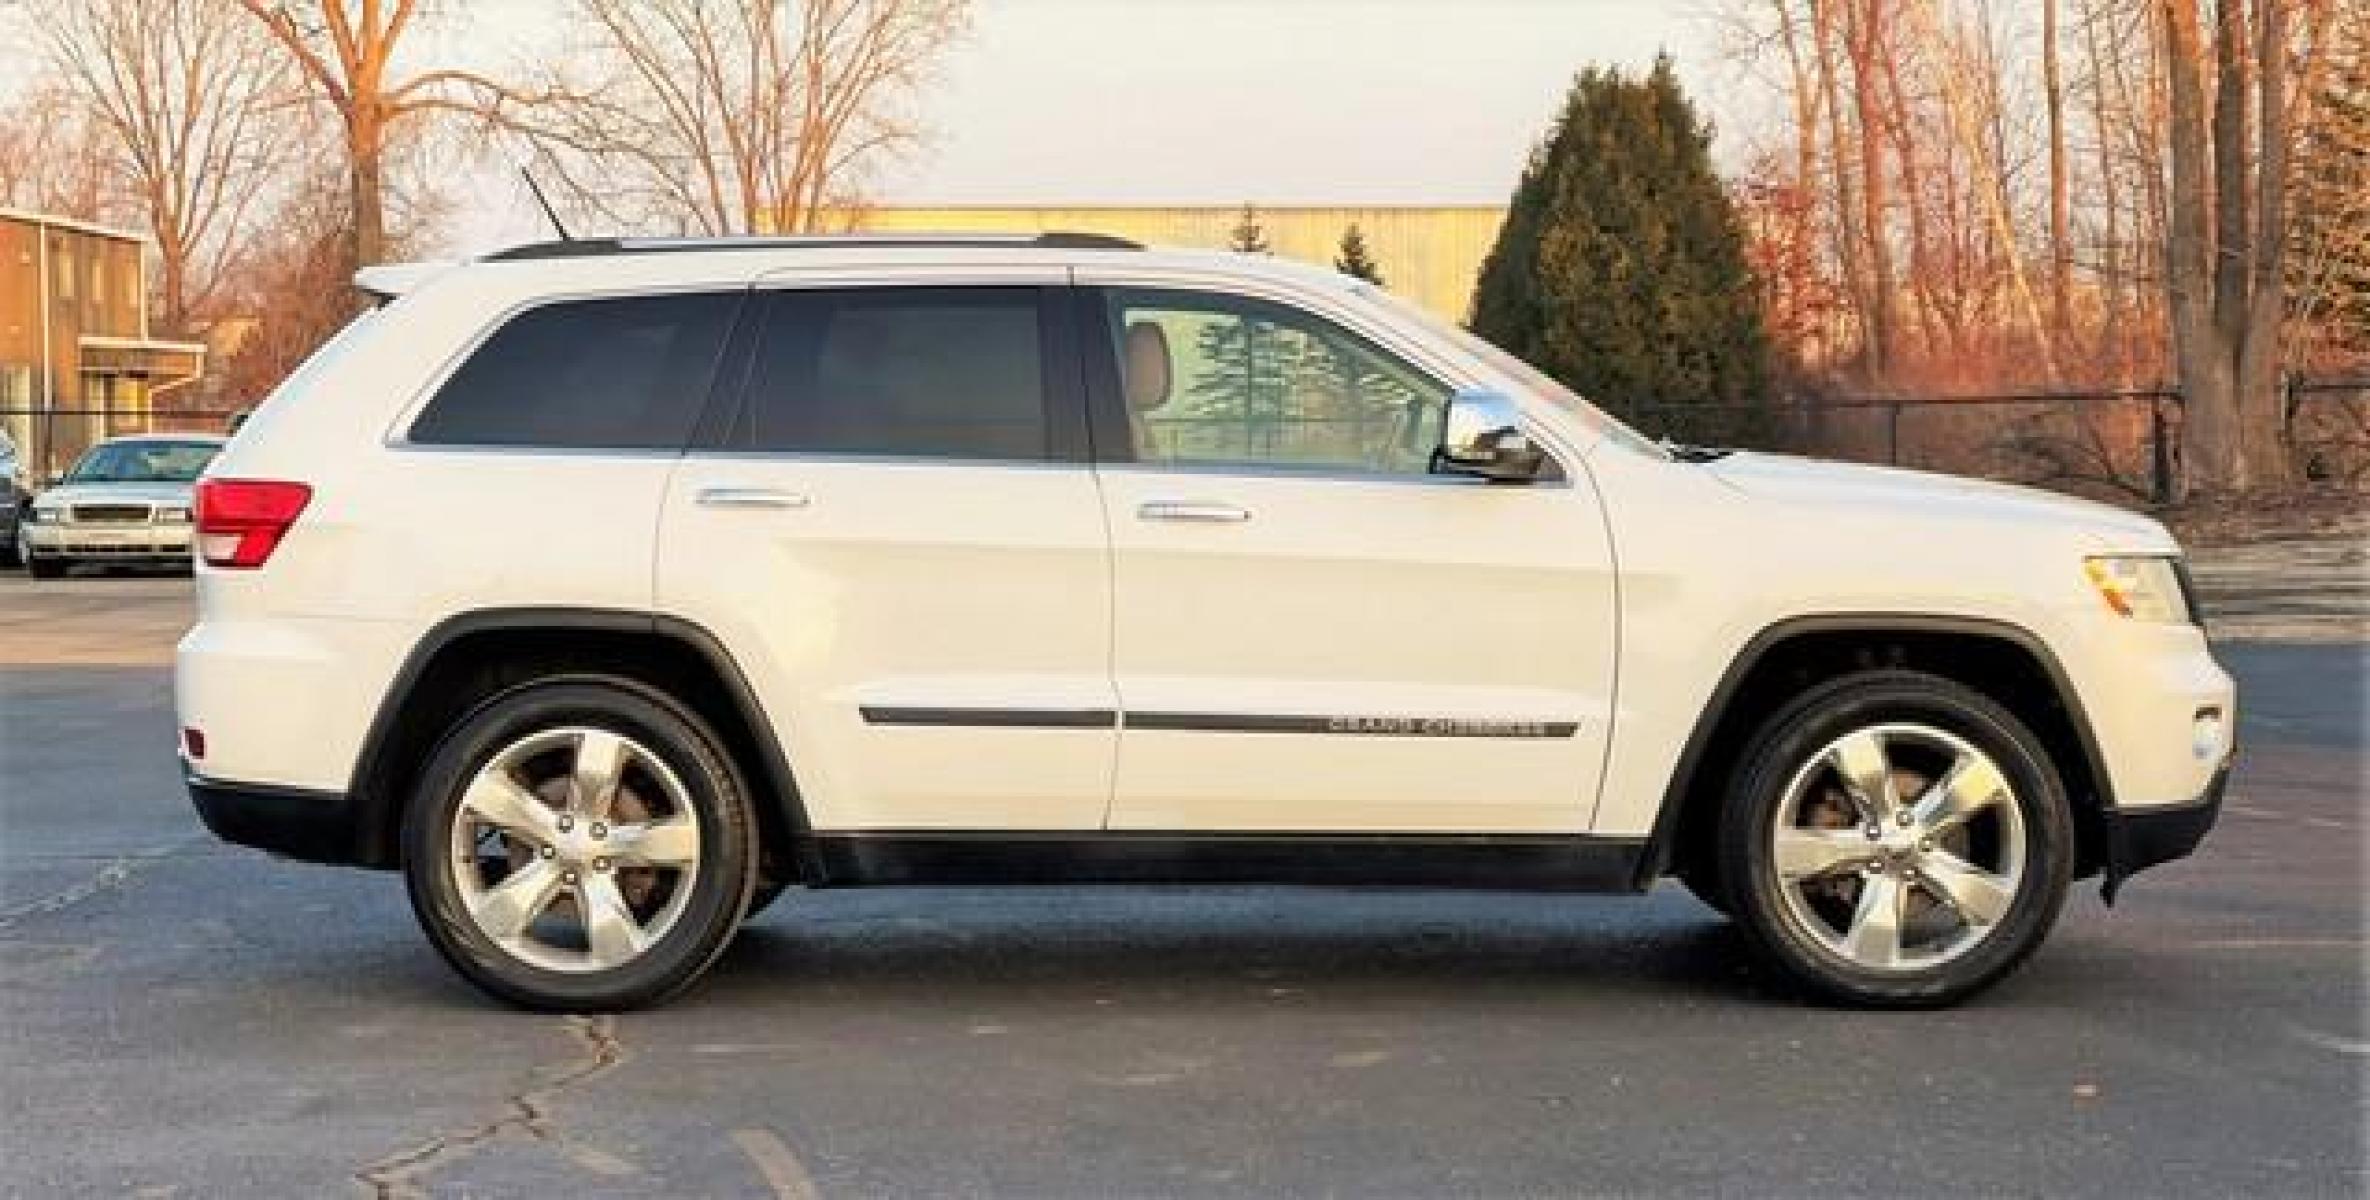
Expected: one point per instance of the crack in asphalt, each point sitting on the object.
(115, 873)
(400, 1176)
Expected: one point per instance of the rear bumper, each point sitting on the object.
(2142, 838)
(291, 822)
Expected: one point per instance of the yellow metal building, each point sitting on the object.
(1428, 254)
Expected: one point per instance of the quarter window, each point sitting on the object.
(1228, 379)
(627, 372)
(927, 372)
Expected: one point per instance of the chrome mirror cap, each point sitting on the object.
(1485, 438)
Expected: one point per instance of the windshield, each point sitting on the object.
(1533, 380)
(143, 462)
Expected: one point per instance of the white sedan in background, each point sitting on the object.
(127, 501)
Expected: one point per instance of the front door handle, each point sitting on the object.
(749, 497)
(1192, 510)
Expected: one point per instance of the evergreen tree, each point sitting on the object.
(1353, 260)
(1249, 236)
(1621, 268)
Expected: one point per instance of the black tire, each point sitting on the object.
(719, 888)
(45, 568)
(1788, 741)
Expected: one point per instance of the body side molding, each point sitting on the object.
(1501, 862)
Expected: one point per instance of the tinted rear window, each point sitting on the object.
(928, 372)
(627, 372)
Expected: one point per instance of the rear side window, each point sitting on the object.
(627, 372)
(950, 372)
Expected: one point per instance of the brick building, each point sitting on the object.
(76, 360)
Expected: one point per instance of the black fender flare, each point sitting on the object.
(373, 808)
(1661, 843)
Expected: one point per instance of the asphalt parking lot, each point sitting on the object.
(178, 1017)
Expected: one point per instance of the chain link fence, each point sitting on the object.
(2121, 445)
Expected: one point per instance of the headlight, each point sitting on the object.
(39, 514)
(2142, 588)
(173, 514)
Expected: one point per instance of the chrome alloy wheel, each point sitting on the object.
(575, 849)
(1898, 847)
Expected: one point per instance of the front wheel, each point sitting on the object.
(1895, 839)
(580, 844)
(44, 568)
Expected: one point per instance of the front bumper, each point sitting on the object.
(291, 822)
(59, 539)
(2138, 839)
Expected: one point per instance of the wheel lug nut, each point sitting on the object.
(600, 830)
(567, 876)
(1873, 832)
(1905, 818)
(600, 864)
(1926, 845)
(548, 852)
(567, 823)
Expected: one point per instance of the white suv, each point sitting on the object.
(607, 589)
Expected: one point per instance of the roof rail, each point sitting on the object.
(605, 247)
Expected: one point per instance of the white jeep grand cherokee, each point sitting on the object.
(608, 589)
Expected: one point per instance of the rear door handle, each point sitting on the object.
(1192, 510)
(748, 497)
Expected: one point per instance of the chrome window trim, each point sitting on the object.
(848, 458)
(1321, 474)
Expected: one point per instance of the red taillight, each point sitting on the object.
(241, 521)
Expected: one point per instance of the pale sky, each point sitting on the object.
(1226, 101)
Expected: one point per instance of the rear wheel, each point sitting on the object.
(580, 844)
(1895, 839)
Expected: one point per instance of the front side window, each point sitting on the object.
(1227, 379)
(625, 372)
(947, 372)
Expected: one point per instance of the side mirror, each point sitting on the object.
(1485, 438)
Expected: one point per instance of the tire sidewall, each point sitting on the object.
(720, 889)
(1828, 712)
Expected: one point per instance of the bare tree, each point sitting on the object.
(346, 49)
(54, 158)
(2329, 250)
(1866, 42)
(185, 90)
(736, 116)
(1991, 176)
(2227, 256)
(2061, 207)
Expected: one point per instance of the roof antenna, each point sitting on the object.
(537, 189)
